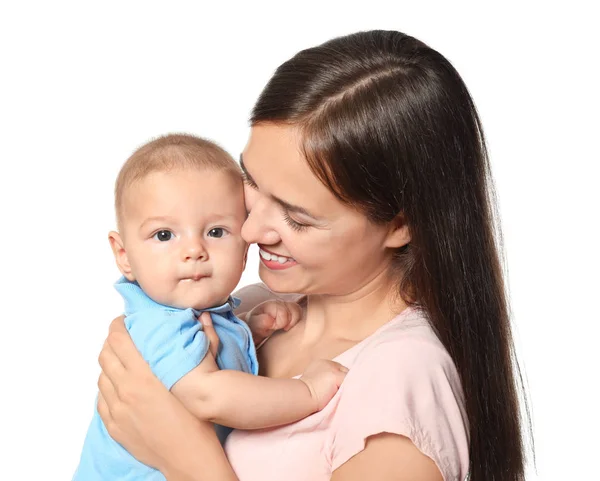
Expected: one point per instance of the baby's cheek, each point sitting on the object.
(233, 268)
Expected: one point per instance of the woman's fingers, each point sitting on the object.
(107, 419)
(122, 345)
(117, 324)
(108, 359)
(103, 410)
(107, 390)
(110, 363)
(124, 349)
(211, 334)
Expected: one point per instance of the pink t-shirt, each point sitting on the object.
(401, 381)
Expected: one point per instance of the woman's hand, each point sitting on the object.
(209, 331)
(139, 412)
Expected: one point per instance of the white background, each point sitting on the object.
(82, 86)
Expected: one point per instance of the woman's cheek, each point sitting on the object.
(293, 244)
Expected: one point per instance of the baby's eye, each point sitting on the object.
(163, 235)
(217, 232)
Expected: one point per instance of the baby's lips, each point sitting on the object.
(194, 277)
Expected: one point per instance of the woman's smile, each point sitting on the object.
(275, 261)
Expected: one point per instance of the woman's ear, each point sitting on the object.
(118, 248)
(399, 233)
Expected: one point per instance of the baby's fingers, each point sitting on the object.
(339, 375)
(339, 366)
(294, 315)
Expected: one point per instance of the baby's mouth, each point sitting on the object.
(194, 278)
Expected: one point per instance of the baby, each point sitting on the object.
(180, 208)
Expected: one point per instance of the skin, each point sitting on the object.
(346, 302)
(180, 237)
(181, 242)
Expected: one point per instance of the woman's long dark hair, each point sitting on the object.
(390, 128)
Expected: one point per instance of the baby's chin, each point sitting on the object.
(200, 304)
(190, 294)
(197, 295)
(207, 305)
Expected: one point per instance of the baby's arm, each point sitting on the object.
(244, 401)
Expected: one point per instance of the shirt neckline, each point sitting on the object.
(398, 317)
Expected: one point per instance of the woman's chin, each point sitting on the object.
(279, 280)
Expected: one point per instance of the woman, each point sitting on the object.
(367, 176)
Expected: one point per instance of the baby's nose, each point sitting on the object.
(195, 251)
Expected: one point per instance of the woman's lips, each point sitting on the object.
(275, 261)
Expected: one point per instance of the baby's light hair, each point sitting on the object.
(167, 153)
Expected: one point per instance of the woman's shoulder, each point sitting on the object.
(409, 334)
(403, 354)
(403, 381)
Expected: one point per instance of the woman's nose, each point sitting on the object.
(257, 229)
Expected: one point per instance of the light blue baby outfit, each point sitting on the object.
(173, 343)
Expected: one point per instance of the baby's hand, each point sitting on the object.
(270, 316)
(323, 379)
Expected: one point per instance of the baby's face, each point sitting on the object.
(182, 236)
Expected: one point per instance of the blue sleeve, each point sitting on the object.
(172, 342)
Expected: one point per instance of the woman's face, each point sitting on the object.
(322, 245)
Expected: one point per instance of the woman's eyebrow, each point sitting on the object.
(286, 205)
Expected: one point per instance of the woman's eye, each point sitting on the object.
(163, 235)
(248, 181)
(297, 226)
(217, 232)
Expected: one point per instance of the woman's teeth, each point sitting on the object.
(272, 257)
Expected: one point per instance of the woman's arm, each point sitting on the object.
(143, 416)
(388, 457)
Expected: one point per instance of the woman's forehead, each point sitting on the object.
(273, 160)
(276, 144)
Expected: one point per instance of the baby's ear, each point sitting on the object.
(118, 248)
